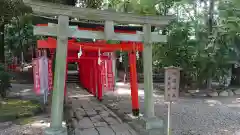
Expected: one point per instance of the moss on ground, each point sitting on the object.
(24, 121)
(13, 109)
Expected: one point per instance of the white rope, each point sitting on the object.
(121, 59)
(99, 57)
(80, 52)
(137, 55)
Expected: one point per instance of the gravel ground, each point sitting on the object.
(36, 127)
(190, 116)
(39, 122)
(21, 130)
(194, 117)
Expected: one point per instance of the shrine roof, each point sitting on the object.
(85, 24)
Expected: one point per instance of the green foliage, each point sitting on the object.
(199, 59)
(200, 52)
(19, 35)
(9, 9)
(12, 8)
(5, 84)
(203, 40)
(84, 3)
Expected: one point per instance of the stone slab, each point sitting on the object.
(230, 93)
(91, 112)
(79, 116)
(100, 124)
(223, 94)
(86, 106)
(85, 123)
(111, 121)
(90, 131)
(104, 114)
(99, 108)
(213, 94)
(96, 118)
(237, 92)
(80, 113)
(105, 131)
(80, 109)
(121, 129)
(75, 104)
(133, 132)
(74, 122)
(71, 113)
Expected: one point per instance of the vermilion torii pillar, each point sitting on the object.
(134, 83)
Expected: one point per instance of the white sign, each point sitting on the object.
(172, 81)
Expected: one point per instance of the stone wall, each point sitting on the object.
(158, 78)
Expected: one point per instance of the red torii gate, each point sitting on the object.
(90, 72)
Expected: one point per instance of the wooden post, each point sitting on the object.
(133, 82)
(59, 79)
(99, 83)
(95, 78)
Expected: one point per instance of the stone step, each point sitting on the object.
(72, 78)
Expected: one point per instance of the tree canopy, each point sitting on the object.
(203, 39)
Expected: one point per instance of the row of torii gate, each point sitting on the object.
(95, 64)
(63, 31)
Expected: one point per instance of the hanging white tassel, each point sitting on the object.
(99, 57)
(120, 58)
(80, 52)
(137, 55)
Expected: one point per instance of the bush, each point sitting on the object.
(5, 84)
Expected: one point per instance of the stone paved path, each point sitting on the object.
(90, 117)
(191, 116)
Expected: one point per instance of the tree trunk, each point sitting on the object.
(211, 17)
(2, 46)
(210, 30)
(235, 81)
(196, 20)
(22, 58)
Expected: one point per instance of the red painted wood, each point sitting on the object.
(99, 83)
(98, 29)
(91, 74)
(94, 77)
(133, 80)
(104, 47)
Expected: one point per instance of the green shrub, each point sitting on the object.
(5, 84)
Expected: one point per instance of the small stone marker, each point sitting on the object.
(172, 80)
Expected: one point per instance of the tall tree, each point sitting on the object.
(210, 34)
(9, 10)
